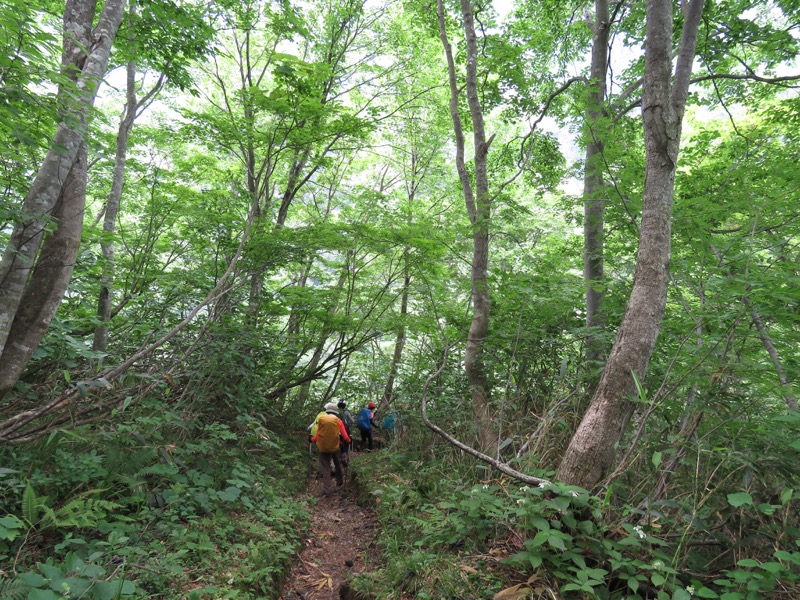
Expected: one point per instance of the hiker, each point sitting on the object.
(349, 424)
(390, 423)
(329, 428)
(365, 423)
(393, 422)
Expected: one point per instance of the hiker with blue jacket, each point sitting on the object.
(364, 424)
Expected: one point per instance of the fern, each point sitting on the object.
(126, 466)
(80, 512)
(13, 589)
(122, 462)
(31, 505)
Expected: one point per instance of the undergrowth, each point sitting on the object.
(165, 505)
(445, 536)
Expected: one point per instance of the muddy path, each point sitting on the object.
(339, 545)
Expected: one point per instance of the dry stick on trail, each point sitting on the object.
(500, 466)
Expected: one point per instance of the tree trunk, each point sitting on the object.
(100, 341)
(388, 390)
(478, 205)
(594, 189)
(50, 277)
(590, 453)
(75, 101)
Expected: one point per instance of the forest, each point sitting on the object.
(557, 240)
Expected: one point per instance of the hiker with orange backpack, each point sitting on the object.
(329, 428)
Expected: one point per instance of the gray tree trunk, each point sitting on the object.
(75, 102)
(100, 341)
(594, 189)
(478, 204)
(590, 453)
(400, 340)
(49, 279)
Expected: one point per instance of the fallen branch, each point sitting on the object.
(500, 466)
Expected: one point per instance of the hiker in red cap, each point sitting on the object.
(364, 424)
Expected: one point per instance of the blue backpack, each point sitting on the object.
(388, 422)
(364, 419)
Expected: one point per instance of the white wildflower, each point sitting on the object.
(486, 487)
(575, 494)
(658, 564)
(542, 485)
(521, 501)
(690, 590)
(524, 488)
(639, 531)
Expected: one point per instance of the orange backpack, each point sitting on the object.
(328, 433)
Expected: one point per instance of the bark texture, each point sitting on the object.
(400, 340)
(84, 58)
(591, 451)
(478, 204)
(593, 186)
(100, 341)
(49, 279)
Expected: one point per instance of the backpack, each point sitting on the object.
(328, 433)
(313, 426)
(348, 421)
(365, 419)
(388, 422)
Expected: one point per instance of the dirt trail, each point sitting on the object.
(337, 546)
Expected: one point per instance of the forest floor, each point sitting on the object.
(339, 545)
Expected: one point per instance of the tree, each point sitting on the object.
(594, 190)
(478, 203)
(57, 192)
(591, 451)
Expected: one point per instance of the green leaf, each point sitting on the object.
(786, 495)
(768, 509)
(539, 539)
(705, 592)
(229, 494)
(740, 499)
(556, 542)
(52, 572)
(106, 590)
(128, 588)
(748, 562)
(772, 567)
(30, 505)
(656, 459)
(10, 527)
(639, 388)
(43, 595)
(32, 579)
